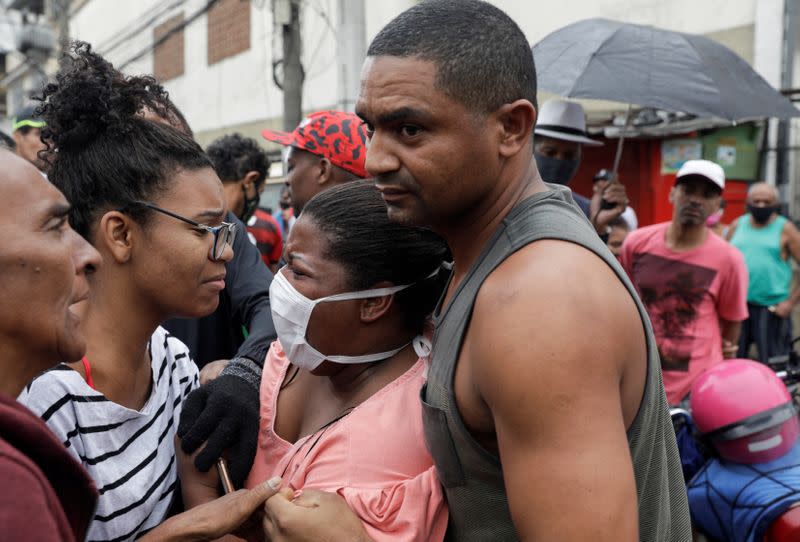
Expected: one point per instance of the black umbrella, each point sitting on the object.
(651, 67)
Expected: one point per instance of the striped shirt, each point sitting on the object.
(130, 454)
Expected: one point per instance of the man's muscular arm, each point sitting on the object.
(546, 352)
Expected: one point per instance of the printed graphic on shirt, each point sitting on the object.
(672, 292)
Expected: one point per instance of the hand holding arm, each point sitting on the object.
(310, 517)
(214, 519)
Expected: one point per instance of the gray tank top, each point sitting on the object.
(471, 475)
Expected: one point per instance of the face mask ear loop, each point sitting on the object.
(422, 346)
(364, 294)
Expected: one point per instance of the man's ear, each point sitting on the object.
(250, 179)
(325, 169)
(672, 194)
(114, 233)
(374, 308)
(515, 123)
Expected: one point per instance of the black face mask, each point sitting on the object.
(284, 205)
(554, 170)
(761, 215)
(250, 206)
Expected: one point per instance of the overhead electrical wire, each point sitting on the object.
(169, 34)
(137, 26)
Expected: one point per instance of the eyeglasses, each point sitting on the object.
(224, 234)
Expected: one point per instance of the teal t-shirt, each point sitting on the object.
(770, 274)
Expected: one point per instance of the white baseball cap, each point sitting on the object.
(563, 120)
(704, 168)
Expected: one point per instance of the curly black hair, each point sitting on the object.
(234, 155)
(102, 153)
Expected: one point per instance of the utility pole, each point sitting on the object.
(61, 16)
(351, 48)
(791, 18)
(287, 14)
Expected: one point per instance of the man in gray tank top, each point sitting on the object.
(544, 409)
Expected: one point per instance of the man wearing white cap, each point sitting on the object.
(692, 282)
(560, 134)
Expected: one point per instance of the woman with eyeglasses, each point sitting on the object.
(148, 199)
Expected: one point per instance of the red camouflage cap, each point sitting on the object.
(338, 136)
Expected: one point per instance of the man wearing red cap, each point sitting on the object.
(326, 149)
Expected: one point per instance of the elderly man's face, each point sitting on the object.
(762, 195)
(763, 203)
(43, 268)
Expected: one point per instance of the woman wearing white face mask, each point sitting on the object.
(340, 407)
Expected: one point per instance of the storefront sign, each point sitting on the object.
(674, 152)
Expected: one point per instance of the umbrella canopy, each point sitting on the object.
(651, 67)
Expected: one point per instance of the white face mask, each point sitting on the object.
(291, 312)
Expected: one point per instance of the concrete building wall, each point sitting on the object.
(238, 92)
(228, 85)
(680, 15)
(234, 93)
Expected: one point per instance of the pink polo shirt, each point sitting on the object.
(375, 457)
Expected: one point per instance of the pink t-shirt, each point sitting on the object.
(375, 457)
(686, 293)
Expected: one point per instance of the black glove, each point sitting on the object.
(223, 414)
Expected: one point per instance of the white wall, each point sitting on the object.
(102, 22)
(380, 12)
(694, 16)
(240, 89)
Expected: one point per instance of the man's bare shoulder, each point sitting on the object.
(548, 269)
(551, 290)
(555, 301)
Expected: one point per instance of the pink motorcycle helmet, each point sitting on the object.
(745, 410)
